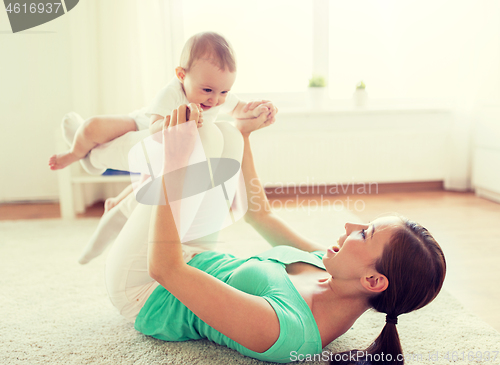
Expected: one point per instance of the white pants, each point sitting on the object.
(141, 119)
(127, 280)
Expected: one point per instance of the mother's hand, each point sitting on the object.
(179, 137)
(264, 119)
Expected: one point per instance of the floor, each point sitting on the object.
(467, 227)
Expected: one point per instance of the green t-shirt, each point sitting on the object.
(166, 318)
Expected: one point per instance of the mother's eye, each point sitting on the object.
(363, 233)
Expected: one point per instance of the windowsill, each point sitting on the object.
(348, 118)
(341, 110)
(296, 103)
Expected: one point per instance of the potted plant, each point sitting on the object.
(317, 92)
(360, 96)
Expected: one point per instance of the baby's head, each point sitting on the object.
(207, 69)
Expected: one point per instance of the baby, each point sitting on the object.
(203, 81)
(205, 76)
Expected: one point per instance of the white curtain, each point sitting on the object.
(123, 52)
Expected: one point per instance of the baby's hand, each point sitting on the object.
(256, 108)
(259, 110)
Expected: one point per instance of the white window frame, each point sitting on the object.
(320, 53)
(320, 64)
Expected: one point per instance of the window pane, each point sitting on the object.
(412, 49)
(272, 39)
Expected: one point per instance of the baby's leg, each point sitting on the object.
(212, 215)
(106, 232)
(108, 229)
(94, 131)
(233, 141)
(127, 280)
(114, 154)
(110, 203)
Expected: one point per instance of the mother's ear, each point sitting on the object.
(375, 283)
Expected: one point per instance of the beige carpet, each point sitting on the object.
(55, 311)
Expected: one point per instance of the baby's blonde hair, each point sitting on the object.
(208, 45)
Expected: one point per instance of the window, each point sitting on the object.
(425, 49)
(271, 39)
(412, 49)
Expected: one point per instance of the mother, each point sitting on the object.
(288, 302)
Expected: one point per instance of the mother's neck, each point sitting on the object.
(347, 296)
(336, 306)
(350, 291)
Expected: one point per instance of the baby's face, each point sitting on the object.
(205, 84)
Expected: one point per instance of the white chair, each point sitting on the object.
(78, 189)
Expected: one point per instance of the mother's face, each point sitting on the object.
(359, 248)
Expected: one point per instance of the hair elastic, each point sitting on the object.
(393, 320)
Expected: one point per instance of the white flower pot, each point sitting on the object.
(316, 98)
(360, 98)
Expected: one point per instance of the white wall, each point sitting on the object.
(354, 146)
(103, 57)
(34, 95)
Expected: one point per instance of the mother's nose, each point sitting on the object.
(350, 227)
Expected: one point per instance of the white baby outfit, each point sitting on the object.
(167, 99)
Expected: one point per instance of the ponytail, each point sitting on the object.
(386, 350)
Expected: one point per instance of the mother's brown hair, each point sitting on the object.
(415, 266)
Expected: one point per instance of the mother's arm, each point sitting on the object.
(260, 215)
(247, 319)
